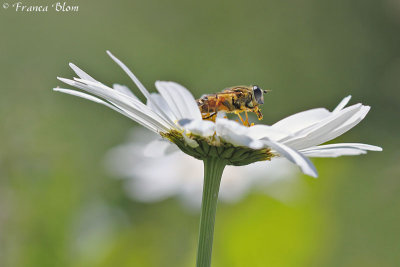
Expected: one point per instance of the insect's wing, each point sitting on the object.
(231, 90)
(237, 89)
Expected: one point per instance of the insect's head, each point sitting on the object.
(258, 94)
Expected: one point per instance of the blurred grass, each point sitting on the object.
(58, 207)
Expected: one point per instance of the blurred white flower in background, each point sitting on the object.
(156, 169)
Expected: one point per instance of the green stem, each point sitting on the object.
(213, 169)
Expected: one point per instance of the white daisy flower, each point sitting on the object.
(161, 171)
(173, 113)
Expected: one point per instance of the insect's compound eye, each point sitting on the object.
(258, 94)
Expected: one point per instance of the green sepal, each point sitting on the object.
(234, 155)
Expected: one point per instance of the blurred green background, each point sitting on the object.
(60, 207)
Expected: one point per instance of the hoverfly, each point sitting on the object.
(234, 99)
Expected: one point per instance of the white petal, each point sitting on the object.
(294, 156)
(259, 131)
(124, 89)
(313, 135)
(221, 114)
(172, 98)
(189, 100)
(342, 104)
(232, 132)
(333, 152)
(81, 73)
(160, 101)
(199, 127)
(140, 112)
(83, 95)
(353, 121)
(98, 100)
(236, 134)
(134, 102)
(179, 99)
(341, 149)
(301, 120)
(141, 87)
(352, 145)
(131, 75)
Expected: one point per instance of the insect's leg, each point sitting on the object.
(247, 119)
(211, 116)
(258, 113)
(208, 115)
(240, 117)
